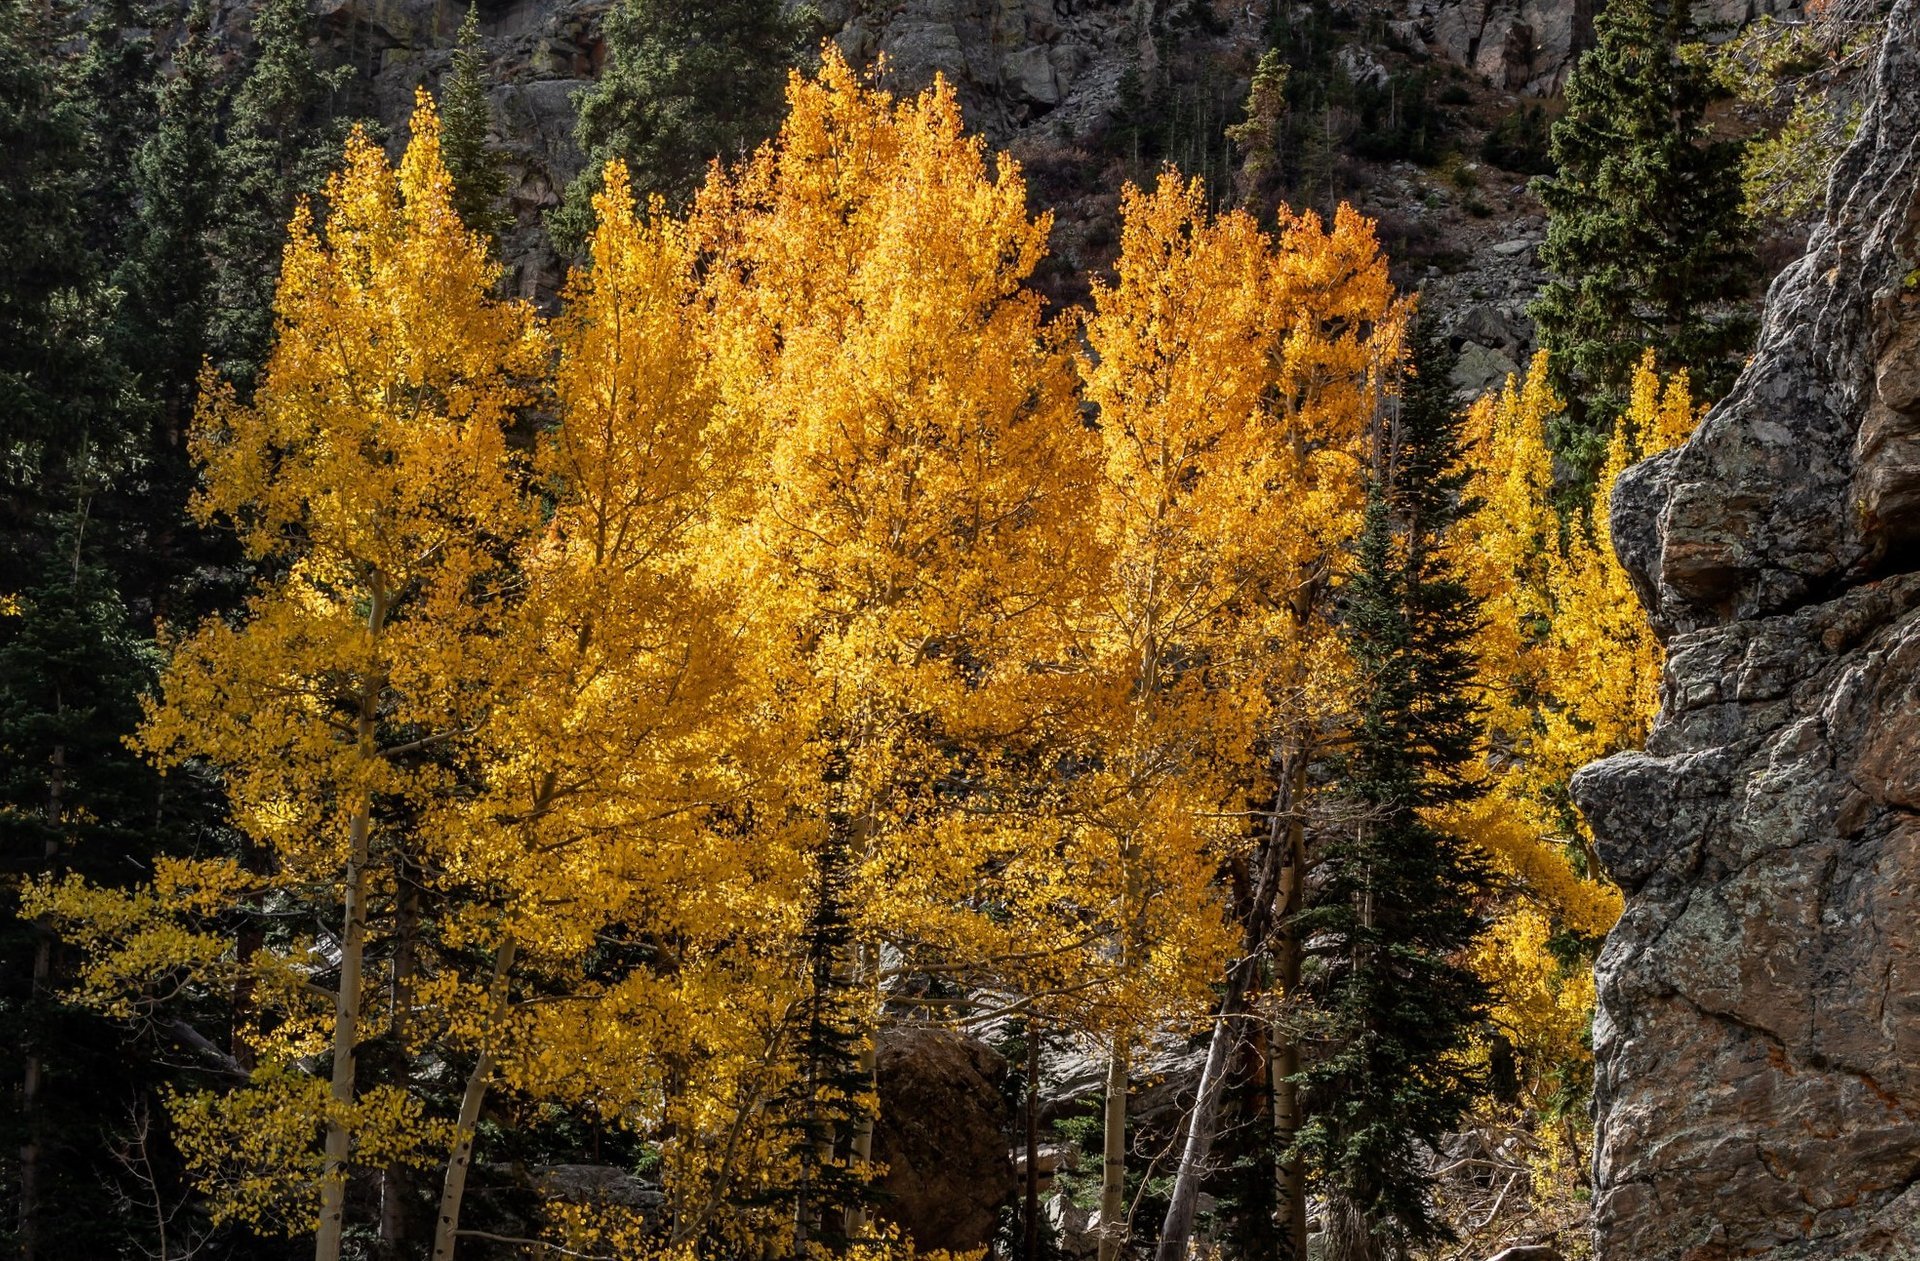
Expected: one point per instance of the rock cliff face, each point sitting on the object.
(1758, 1040)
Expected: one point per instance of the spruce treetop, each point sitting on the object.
(1646, 239)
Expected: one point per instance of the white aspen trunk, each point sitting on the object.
(1113, 1157)
(446, 1225)
(346, 1026)
(1203, 1123)
(859, 1219)
(346, 1006)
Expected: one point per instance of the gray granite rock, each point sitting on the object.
(1757, 1042)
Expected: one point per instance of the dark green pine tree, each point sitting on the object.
(75, 799)
(1389, 1006)
(167, 279)
(686, 81)
(828, 1095)
(118, 75)
(167, 275)
(280, 142)
(1646, 238)
(59, 388)
(479, 176)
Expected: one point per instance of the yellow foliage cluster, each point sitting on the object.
(1570, 673)
(802, 548)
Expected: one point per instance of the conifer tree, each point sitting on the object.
(1390, 1004)
(1645, 235)
(160, 331)
(75, 799)
(117, 79)
(55, 380)
(1259, 136)
(168, 273)
(278, 146)
(686, 81)
(827, 1098)
(479, 178)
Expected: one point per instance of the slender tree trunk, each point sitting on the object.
(1203, 1122)
(34, 1067)
(1031, 1218)
(1113, 1154)
(346, 1008)
(859, 1218)
(396, 1180)
(446, 1226)
(1290, 1183)
(346, 1029)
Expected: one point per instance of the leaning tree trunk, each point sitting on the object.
(446, 1223)
(1203, 1122)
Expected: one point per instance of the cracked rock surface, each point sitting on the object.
(1758, 1040)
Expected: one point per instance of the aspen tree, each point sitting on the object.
(912, 452)
(1569, 672)
(607, 768)
(1176, 372)
(1236, 377)
(371, 478)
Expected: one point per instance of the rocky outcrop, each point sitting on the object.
(1529, 46)
(1758, 1038)
(942, 1136)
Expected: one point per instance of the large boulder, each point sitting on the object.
(1757, 1043)
(942, 1135)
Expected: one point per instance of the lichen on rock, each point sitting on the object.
(1757, 1042)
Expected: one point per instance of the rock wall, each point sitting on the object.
(1758, 1038)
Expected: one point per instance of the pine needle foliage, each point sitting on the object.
(1390, 1006)
(1646, 239)
(479, 177)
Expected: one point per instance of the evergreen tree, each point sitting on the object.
(168, 274)
(117, 77)
(75, 798)
(58, 386)
(829, 1093)
(686, 81)
(1645, 236)
(1259, 136)
(479, 178)
(167, 280)
(278, 146)
(1389, 1005)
